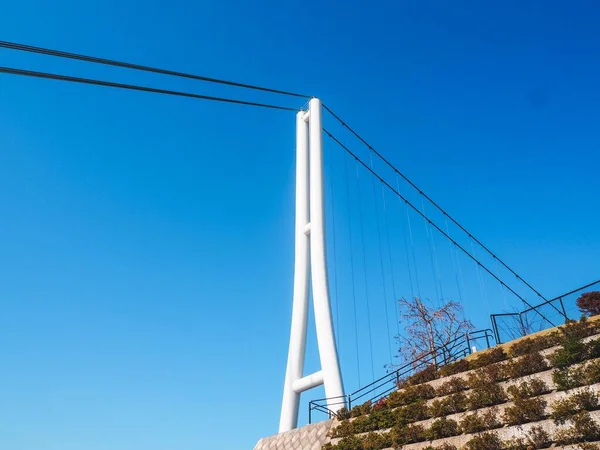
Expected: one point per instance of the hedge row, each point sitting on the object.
(573, 350)
(573, 410)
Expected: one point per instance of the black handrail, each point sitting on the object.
(382, 387)
(535, 308)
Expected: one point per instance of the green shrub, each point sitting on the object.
(453, 385)
(376, 441)
(345, 428)
(407, 435)
(592, 372)
(527, 389)
(411, 413)
(568, 378)
(525, 411)
(484, 441)
(444, 446)
(452, 404)
(343, 413)
(442, 428)
(526, 365)
(584, 400)
(347, 443)
(539, 438)
(486, 375)
(486, 395)
(488, 357)
(454, 368)
(583, 428)
(411, 394)
(516, 444)
(423, 376)
(480, 421)
(361, 410)
(533, 344)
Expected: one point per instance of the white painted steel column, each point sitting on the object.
(295, 364)
(332, 378)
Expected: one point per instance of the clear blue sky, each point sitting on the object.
(147, 241)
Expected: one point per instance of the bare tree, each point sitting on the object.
(429, 329)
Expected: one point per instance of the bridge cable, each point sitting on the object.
(453, 258)
(52, 76)
(432, 202)
(364, 254)
(412, 290)
(436, 283)
(415, 209)
(385, 297)
(389, 247)
(110, 62)
(352, 270)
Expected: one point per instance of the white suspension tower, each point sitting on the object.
(310, 255)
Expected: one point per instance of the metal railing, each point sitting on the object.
(381, 388)
(556, 311)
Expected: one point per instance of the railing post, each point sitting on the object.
(562, 305)
(487, 339)
(310, 412)
(523, 333)
(495, 329)
(468, 342)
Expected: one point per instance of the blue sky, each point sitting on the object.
(147, 241)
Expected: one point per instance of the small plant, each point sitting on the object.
(533, 344)
(583, 429)
(587, 446)
(539, 437)
(516, 444)
(589, 303)
(453, 385)
(361, 410)
(407, 435)
(411, 394)
(568, 378)
(528, 389)
(584, 400)
(454, 368)
(476, 422)
(486, 395)
(525, 411)
(592, 372)
(484, 441)
(382, 403)
(452, 404)
(444, 446)
(526, 365)
(423, 376)
(443, 428)
(347, 443)
(411, 413)
(343, 413)
(488, 357)
(376, 441)
(487, 375)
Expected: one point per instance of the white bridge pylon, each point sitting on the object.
(310, 256)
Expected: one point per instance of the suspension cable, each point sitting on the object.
(385, 297)
(389, 246)
(432, 202)
(110, 62)
(352, 271)
(53, 76)
(335, 272)
(364, 254)
(415, 209)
